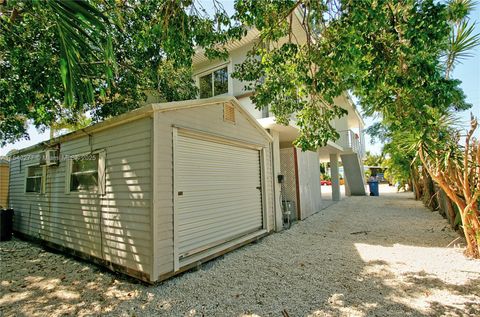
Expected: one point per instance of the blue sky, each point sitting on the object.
(468, 72)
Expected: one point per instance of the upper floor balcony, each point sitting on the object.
(351, 141)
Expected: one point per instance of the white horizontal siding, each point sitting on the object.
(115, 226)
(208, 119)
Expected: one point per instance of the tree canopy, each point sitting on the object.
(61, 59)
(104, 56)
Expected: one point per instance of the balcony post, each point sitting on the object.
(335, 177)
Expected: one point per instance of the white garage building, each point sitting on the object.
(152, 192)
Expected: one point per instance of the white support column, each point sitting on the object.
(277, 186)
(335, 177)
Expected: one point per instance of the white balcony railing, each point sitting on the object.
(350, 140)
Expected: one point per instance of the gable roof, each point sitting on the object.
(252, 35)
(178, 105)
(146, 111)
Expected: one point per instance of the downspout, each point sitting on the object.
(274, 189)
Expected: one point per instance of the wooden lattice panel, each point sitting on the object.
(287, 166)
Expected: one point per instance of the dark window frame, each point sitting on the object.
(79, 174)
(216, 79)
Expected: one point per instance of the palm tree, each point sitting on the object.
(82, 36)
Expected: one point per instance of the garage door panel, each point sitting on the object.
(221, 222)
(220, 160)
(233, 184)
(202, 214)
(206, 149)
(202, 240)
(223, 166)
(219, 193)
(194, 194)
(209, 207)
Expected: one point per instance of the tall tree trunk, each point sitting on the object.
(416, 182)
(466, 200)
(425, 187)
(451, 214)
(429, 191)
(471, 228)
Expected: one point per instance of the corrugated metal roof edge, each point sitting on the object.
(144, 112)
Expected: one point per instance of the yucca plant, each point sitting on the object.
(462, 38)
(456, 169)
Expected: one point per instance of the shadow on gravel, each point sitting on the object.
(426, 283)
(36, 282)
(317, 268)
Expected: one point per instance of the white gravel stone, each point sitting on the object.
(396, 264)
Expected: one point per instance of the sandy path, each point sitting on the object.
(399, 266)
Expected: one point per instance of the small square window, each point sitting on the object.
(86, 173)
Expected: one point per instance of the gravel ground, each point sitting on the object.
(364, 256)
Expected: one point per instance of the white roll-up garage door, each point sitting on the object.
(219, 197)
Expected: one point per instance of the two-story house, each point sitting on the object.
(301, 173)
(158, 190)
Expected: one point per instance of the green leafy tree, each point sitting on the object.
(382, 51)
(49, 51)
(61, 59)
(373, 159)
(430, 137)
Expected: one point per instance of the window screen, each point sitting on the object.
(84, 175)
(34, 179)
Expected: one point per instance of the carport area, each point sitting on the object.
(363, 256)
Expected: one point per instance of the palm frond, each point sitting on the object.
(461, 44)
(83, 40)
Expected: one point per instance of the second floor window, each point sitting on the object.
(214, 84)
